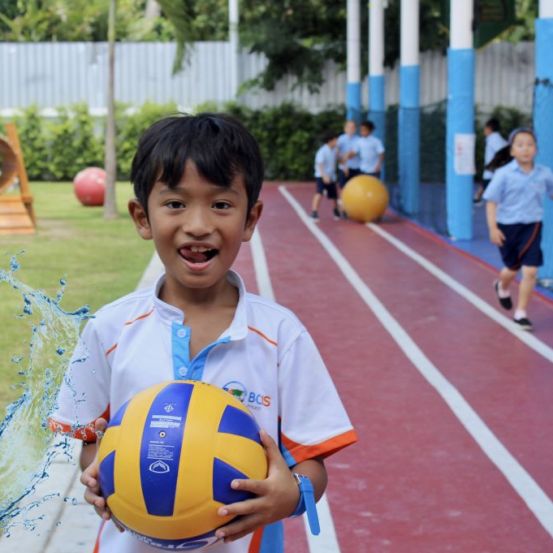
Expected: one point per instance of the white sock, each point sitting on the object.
(520, 314)
(501, 292)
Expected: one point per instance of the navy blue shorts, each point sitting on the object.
(522, 245)
(342, 179)
(328, 190)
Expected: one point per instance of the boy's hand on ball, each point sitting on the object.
(277, 497)
(89, 478)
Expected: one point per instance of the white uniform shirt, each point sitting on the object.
(348, 143)
(327, 157)
(370, 148)
(266, 357)
(494, 143)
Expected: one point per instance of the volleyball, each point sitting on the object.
(167, 460)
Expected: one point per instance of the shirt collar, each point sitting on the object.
(238, 328)
(516, 167)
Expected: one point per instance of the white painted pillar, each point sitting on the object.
(234, 18)
(543, 114)
(353, 92)
(377, 86)
(409, 108)
(460, 121)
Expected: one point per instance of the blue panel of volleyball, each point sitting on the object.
(168, 457)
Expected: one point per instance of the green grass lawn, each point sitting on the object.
(100, 260)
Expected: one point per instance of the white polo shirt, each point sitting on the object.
(327, 157)
(369, 148)
(266, 358)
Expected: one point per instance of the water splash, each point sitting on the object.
(27, 446)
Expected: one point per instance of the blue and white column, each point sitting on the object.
(353, 92)
(409, 109)
(460, 121)
(543, 118)
(377, 98)
(233, 21)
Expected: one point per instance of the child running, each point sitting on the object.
(514, 211)
(325, 175)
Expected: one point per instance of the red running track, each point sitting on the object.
(417, 481)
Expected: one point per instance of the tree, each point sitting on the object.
(195, 20)
(110, 205)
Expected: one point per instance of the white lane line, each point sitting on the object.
(326, 541)
(531, 341)
(524, 485)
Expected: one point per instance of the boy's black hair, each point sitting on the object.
(330, 135)
(218, 144)
(521, 130)
(368, 125)
(493, 124)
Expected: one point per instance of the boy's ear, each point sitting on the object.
(140, 218)
(251, 221)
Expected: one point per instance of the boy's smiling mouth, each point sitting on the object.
(198, 254)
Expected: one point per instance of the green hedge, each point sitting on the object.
(287, 134)
(57, 149)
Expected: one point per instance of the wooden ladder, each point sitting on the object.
(16, 210)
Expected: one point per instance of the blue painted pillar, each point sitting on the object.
(460, 135)
(353, 102)
(377, 105)
(409, 109)
(409, 138)
(543, 125)
(353, 91)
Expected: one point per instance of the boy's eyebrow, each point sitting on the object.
(164, 189)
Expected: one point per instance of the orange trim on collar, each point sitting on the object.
(264, 336)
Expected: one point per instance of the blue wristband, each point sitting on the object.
(306, 503)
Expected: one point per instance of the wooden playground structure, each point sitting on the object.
(16, 201)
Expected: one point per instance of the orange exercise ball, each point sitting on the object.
(364, 198)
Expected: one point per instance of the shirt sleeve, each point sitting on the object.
(84, 392)
(313, 420)
(320, 157)
(379, 146)
(494, 190)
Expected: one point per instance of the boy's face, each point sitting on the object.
(332, 143)
(197, 228)
(364, 130)
(523, 148)
(349, 128)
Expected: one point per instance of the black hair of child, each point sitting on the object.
(368, 125)
(493, 124)
(330, 135)
(218, 144)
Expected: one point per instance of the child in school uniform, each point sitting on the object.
(325, 175)
(197, 181)
(514, 211)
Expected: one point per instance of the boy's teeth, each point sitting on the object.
(199, 249)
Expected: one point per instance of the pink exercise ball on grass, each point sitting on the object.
(90, 186)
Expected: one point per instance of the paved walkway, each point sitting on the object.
(67, 526)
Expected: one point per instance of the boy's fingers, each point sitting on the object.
(239, 528)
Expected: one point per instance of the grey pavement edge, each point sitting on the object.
(66, 526)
